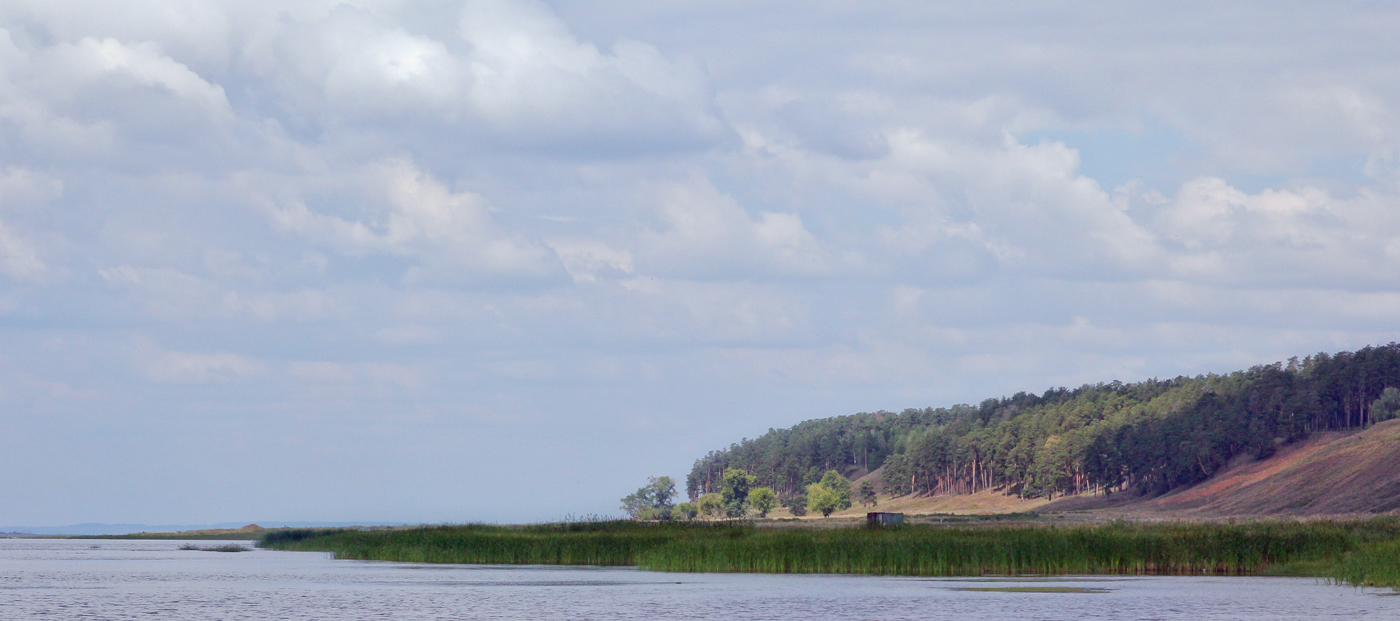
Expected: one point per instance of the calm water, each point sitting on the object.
(85, 579)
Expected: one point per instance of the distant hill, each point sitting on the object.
(1285, 438)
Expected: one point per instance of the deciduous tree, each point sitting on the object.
(838, 485)
(652, 501)
(762, 500)
(686, 510)
(822, 499)
(735, 491)
(711, 504)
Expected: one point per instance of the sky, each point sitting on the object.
(501, 260)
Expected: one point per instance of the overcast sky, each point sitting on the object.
(500, 260)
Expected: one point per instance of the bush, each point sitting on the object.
(687, 511)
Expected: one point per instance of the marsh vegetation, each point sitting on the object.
(1357, 551)
(231, 547)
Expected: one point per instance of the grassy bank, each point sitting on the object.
(1358, 552)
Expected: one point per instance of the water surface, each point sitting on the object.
(113, 579)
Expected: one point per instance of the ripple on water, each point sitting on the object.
(67, 579)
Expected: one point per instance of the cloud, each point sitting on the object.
(449, 234)
(21, 188)
(663, 226)
(194, 368)
(705, 233)
(967, 211)
(1297, 236)
(98, 98)
(143, 64)
(170, 294)
(18, 260)
(586, 260)
(341, 374)
(510, 74)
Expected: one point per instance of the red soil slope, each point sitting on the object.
(1328, 474)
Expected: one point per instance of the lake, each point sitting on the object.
(119, 579)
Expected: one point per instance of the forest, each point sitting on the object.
(1146, 437)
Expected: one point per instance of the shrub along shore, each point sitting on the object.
(1359, 552)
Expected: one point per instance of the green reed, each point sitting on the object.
(915, 550)
(605, 543)
(1376, 565)
(932, 551)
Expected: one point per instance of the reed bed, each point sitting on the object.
(1376, 565)
(605, 543)
(916, 550)
(1184, 549)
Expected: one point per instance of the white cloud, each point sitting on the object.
(527, 69)
(708, 217)
(195, 368)
(18, 259)
(1301, 236)
(509, 74)
(587, 259)
(337, 373)
(451, 234)
(21, 188)
(143, 64)
(686, 313)
(708, 234)
(170, 294)
(102, 99)
(969, 211)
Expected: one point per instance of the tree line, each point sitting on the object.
(738, 497)
(1149, 436)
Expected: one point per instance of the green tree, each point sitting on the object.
(797, 505)
(762, 500)
(652, 501)
(735, 491)
(1149, 436)
(867, 494)
(1387, 406)
(687, 510)
(822, 499)
(838, 485)
(711, 504)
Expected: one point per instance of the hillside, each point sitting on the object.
(1333, 474)
(1302, 438)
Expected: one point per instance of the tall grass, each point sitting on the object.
(596, 543)
(1375, 565)
(231, 547)
(918, 550)
(931, 551)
